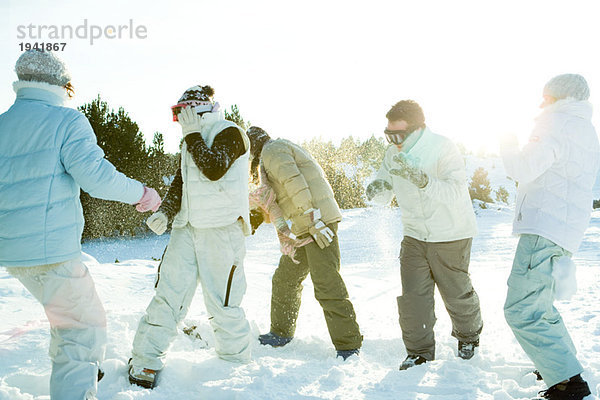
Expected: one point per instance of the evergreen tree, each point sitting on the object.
(480, 188)
(125, 148)
(236, 117)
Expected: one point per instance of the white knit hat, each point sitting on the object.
(42, 66)
(567, 85)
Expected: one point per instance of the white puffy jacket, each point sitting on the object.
(556, 171)
(212, 204)
(442, 211)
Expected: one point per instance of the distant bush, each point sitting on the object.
(479, 188)
(502, 195)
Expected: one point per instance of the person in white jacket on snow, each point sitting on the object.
(555, 172)
(427, 174)
(207, 203)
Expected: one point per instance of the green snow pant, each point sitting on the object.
(422, 266)
(330, 292)
(529, 311)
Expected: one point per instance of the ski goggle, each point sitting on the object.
(176, 109)
(397, 136)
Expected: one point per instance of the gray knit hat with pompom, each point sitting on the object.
(42, 66)
(567, 85)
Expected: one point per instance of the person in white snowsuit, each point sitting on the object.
(427, 175)
(47, 153)
(208, 204)
(555, 172)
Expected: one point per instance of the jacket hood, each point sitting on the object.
(576, 108)
(32, 90)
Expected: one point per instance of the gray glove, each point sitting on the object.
(376, 187)
(405, 170)
(321, 233)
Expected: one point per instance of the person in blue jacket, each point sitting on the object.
(47, 153)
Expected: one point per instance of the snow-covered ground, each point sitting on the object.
(307, 368)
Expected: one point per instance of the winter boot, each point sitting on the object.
(347, 353)
(412, 360)
(143, 377)
(273, 340)
(466, 350)
(573, 389)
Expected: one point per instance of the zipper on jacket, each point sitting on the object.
(228, 292)
(519, 215)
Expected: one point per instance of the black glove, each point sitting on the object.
(376, 187)
(256, 218)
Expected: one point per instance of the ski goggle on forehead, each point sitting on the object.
(397, 136)
(176, 109)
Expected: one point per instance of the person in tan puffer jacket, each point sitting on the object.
(307, 200)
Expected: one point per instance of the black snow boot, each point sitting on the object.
(573, 389)
(466, 350)
(273, 340)
(411, 360)
(347, 353)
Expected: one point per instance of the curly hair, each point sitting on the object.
(409, 111)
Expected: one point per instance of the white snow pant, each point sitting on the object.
(77, 327)
(214, 258)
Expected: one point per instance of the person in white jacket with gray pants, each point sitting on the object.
(427, 174)
(555, 172)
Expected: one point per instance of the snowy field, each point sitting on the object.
(307, 368)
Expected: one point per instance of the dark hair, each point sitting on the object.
(257, 137)
(409, 111)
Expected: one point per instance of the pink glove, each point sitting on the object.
(149, 201)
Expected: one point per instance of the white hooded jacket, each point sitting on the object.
(556, 171)
(441, 211)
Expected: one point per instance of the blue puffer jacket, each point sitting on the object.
(47, 152)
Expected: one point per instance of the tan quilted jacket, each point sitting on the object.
(299, 183)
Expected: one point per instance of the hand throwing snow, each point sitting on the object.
(413, 174)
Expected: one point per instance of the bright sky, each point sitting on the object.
(323, 68)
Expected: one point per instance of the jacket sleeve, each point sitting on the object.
(172, 202)
(214, 162)
(537, 156)
(84, 160)
(280, 165)
(450, 182)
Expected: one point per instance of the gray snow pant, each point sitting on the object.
(330, 292)
(422, 266)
